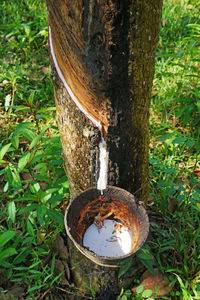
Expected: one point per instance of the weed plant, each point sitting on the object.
(174, 149)
(33, 185)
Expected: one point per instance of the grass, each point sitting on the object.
(33, 185)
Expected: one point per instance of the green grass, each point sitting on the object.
(33, 185)
(176, 84)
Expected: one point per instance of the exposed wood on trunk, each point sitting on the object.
(73, 49)
(105, 50)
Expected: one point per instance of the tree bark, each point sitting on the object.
(105, 51)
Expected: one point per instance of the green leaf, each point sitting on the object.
(23, 161)
(41, 211)
(43, 110)
(56, 162)
(3, 150)
(139, 289)
(5, 264)
(59, 275)
(24, 252)
(65, 184)
(180, 198)
(20, 128)
(166, 136)
(30, 228)
(149, 265)
(22, 107)
(179, 140)
(6, 236)
(53, 264)
(190, 143)
(15, 141)
(144, 253)
(36, 140)
(6, 253)
(36, 287)
(21, 268)
(26, 198)
(6, 186)
(128, 293)
(55, 216)
(121, 293)
(12, 211)
(13, 177)
(170, 191)
(147, 293)
(31, 97)
(169, 170)
(40, 166)
(28, 208)
(124, 266)
(9, 176)
(35, 188)
(55, 200)
(162, 184)
(28, 134)
(2, 172)
(146, 258)
(43, 33)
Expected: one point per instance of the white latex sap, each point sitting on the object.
(112, 239)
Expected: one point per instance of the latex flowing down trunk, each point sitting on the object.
(103, 65)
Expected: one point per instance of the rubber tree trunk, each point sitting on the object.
(104, 51)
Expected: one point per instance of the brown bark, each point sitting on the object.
(105, 50)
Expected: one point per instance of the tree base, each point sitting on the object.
(101, 282)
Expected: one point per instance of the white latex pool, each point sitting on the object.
(110, 239)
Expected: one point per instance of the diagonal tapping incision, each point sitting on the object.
(103, 152)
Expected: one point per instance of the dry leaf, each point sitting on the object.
(26, 176)
(40, 238)
(197, 172)
(45, 70)
(156, 283)
(4, 83)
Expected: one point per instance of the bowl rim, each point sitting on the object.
(92, 255)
